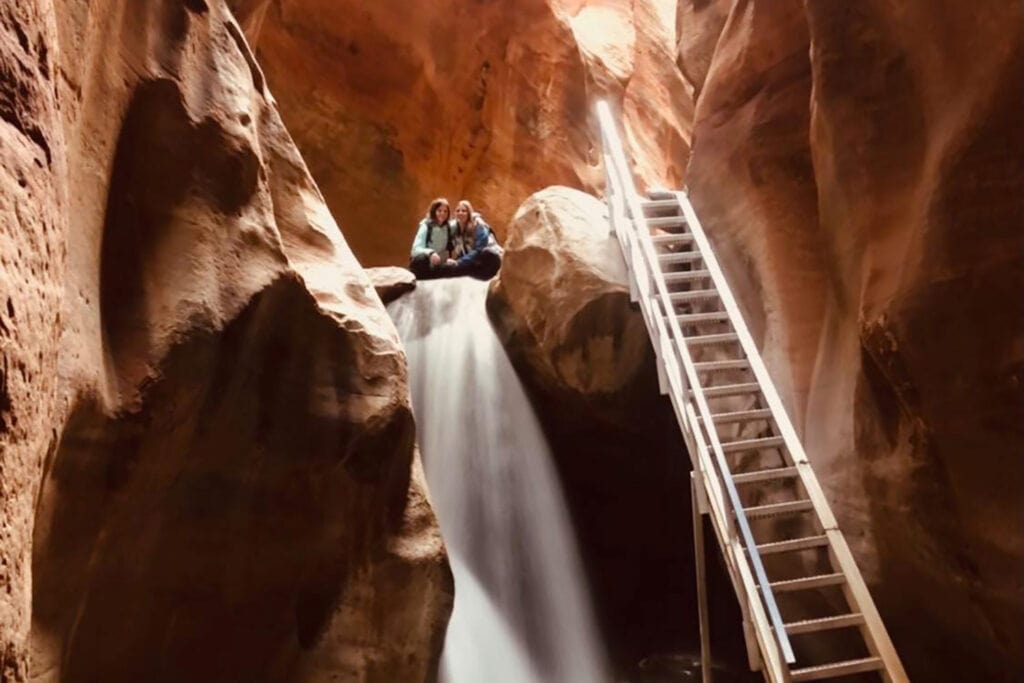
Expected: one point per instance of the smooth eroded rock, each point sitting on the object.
(206, 443)
(391, 282)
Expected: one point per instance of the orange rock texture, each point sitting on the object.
(206, 444)
(393, 103)
(205, 441)
(861, 167)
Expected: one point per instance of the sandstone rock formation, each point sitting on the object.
(391, 282)
(561, 307)
(862, 170)
(393, 103)
(858, 166)
(206, 444)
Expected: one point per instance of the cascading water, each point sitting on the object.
(521, 612)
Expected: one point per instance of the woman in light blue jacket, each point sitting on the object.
(433, 246)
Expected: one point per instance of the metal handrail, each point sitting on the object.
(620, 168)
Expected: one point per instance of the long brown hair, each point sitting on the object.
(437, 204)
(471, 223)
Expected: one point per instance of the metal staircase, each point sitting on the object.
(807, 613)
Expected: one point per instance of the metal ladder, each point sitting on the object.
(807, 614)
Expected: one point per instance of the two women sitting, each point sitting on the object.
(446, 247)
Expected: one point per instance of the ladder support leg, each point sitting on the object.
(696, 496)
(753, 655)
(662, 376)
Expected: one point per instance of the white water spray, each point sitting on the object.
(521, 612)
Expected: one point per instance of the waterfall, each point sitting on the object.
(521, 610)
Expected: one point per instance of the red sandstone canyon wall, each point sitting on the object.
(178, 304)
(206, 444)
(862, 167)
(394, 103)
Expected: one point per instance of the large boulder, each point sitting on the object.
(393, 103)
(561, 300)
(391, 282)
(561, 308)
(206, 443)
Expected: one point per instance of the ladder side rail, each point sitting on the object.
(639, 225)
(876, 636)
(639, 286)
(878, 639)
(732, 551)
(757, 366)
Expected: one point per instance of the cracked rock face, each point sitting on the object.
(206, 444)
(394, 103)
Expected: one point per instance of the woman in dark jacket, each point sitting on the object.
(476, 249)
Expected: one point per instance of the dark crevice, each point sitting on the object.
(197, 6)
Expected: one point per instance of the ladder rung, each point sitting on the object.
(741, 416)
(824, 623)
(712, 317)
(666, 222)
(724, 338)
(773, 509)
(836, 669)
(713, 365)
(681, 257)
(684, 275)
(808, 583)
(793, 544)
(673, 238)
(659, 203)
(753, 444)
(731, 390)
(692, 295)
(765, 475)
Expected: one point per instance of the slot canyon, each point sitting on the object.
(211, 467)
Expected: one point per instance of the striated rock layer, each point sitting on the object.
(393, 103)
(206, 444)
(862, 170)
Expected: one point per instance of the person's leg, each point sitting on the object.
(420, 267)
(486, 266)
(444, 270)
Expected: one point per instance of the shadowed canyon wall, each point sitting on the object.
(862, 168)
(206, 445)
